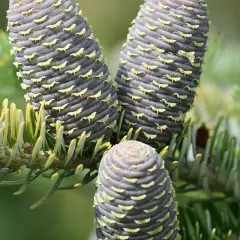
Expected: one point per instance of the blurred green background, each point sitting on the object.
(69, 215)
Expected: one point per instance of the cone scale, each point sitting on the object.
(160, 67)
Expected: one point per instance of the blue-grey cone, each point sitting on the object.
(61, 63)
(134, 199)
(160, 67)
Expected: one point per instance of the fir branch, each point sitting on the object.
(216, 168)
(26, 142)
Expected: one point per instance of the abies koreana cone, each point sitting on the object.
(160, 67)
(135, 199)
(61, 64)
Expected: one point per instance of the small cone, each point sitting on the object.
(134, 199)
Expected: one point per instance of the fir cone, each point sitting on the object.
(61, 63)
(134, 199)
(160, 67)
